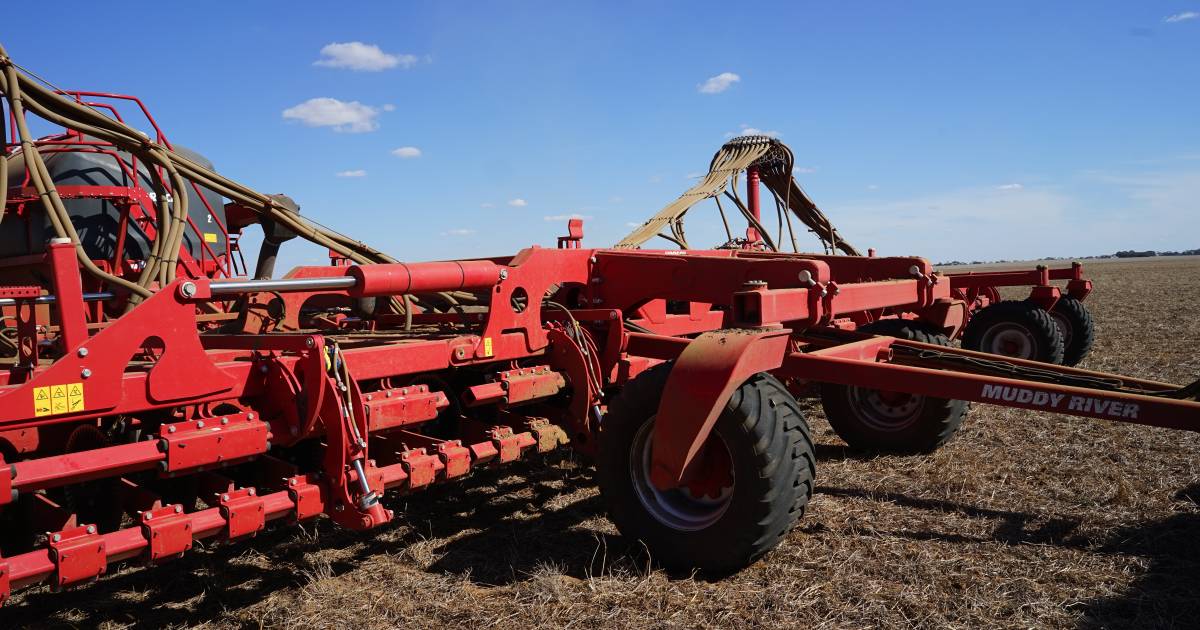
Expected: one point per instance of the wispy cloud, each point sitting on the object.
(407, 153)
(1181, 17)
(354, 173)
(518, 203)
(487, 204)
(719, 83)
(566, 217)
(458, 232)
(345, 116)
(1009, 187)
(747, 130)
(362, 57)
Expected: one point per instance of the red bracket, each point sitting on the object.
(421, 467)
(509, 445)
(244, 513)
(78, 555)
(456, 459)
(308, 496)
(407, 405)
(213, 441)
(548, 435)
(169, 531)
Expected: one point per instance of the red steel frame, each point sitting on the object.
(393, 406)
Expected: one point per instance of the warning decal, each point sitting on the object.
(487, 346)
(41, 401)
(56, 399)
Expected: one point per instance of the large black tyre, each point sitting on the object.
(893, 422)
(1015, 328)
(1077, 328)
(767, 448)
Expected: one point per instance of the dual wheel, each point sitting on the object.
(1024, 330)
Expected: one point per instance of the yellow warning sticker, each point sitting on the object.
(41, 401)
(487, 346)
(209, 237)
(75, 397)
(56, 399)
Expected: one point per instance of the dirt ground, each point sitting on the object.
(1024, 520)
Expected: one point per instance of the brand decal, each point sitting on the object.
(1061, 402)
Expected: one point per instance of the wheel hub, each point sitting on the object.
(698, 504)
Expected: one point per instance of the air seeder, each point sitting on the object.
(155, 391)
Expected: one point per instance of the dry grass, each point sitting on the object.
(1023, 520)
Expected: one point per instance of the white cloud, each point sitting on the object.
(349, 117)
(719, 83)
(407, 152)
(388, 107)
(566, 217)
(518, 203)
(487, 204)
(747, 130)
(633, 224)
(1181, 17)
(458, 232)
(1009, 187)
(362, 57)
(354, 173)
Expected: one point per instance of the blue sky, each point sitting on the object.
(968, 130)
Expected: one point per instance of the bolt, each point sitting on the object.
(503, 274)
(171, 429)
(459, 353)
(200, 424)
(250, 415)
(91, 529)
(805, 278)
(187, 290)
(251, 491)
(56, 537)
(224, 497)
(387, 394)
(309, 342)
(179, 509)
(85, 373)
(224, 420)
(368, 398)
(263, 368)
(82, 352)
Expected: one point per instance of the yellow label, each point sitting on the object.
(41, 401)
(75, 397)
(56, 399)
(209, 237)
(487, 346)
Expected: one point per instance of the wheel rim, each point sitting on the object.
(683, 509)
(885, 411)
(1010, 340)
(1064, 326)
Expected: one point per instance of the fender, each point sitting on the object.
(701, 383)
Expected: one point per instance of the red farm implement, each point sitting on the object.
(153, 393)
(1051, 325)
